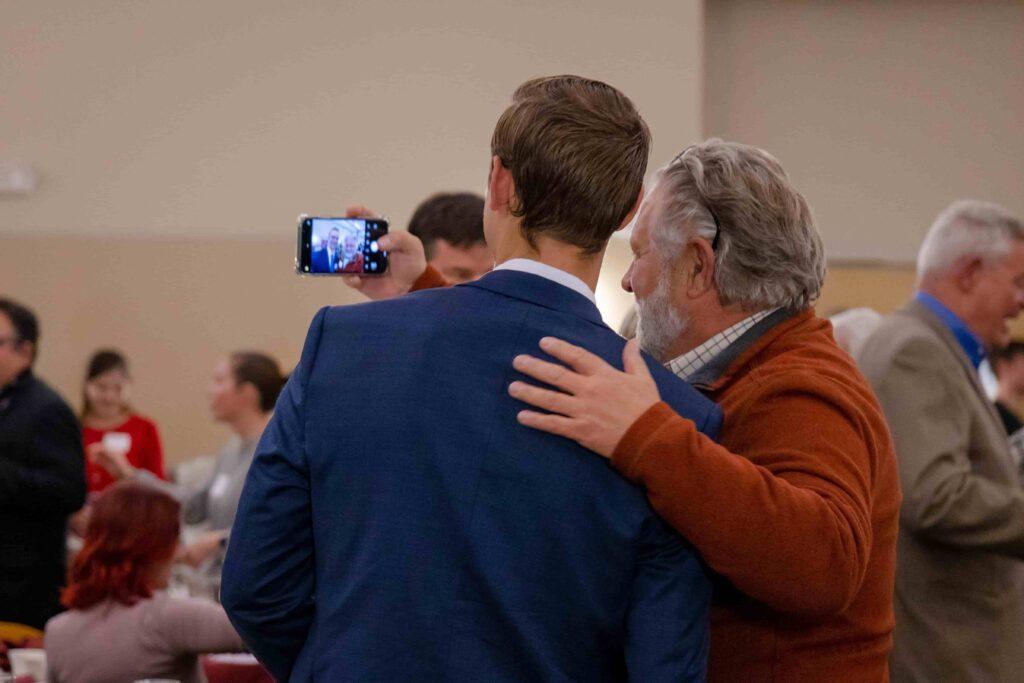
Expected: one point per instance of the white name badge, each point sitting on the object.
(220, 485)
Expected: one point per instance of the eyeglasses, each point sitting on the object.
(714, 217)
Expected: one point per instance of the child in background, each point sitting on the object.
(109, 423)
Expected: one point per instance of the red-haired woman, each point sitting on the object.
(120, 625)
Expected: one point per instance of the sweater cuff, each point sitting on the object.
(431, 278)
(630, 449)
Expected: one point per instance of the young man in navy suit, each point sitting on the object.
(442, 541)
(325, 259)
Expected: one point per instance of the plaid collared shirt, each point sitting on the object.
(686, 365)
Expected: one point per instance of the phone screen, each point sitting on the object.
(338, 246)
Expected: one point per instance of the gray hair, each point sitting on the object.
(968, 227)
(768, 253)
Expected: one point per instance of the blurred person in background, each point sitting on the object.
(960, 579)
(627, 328)
(451, 227)
(450, 232)
(242, 394)
(852, 326)
(1008, 367)
(42, 475)
(121, 625)
(106, 409)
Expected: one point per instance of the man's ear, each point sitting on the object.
(699, 262)
(967, 272)
(632, 212)
(501, 189)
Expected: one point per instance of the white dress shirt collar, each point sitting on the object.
(525, 265)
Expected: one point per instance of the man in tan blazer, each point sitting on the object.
(960, 575)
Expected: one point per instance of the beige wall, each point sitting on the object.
(882, 112)
(197, 118)
(177, 142)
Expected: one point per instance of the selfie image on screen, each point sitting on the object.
(337, 246)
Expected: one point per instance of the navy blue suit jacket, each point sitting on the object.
(398, 524)
(320, 261)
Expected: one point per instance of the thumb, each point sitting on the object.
(389, 243)
(353, 281)
(632, 361)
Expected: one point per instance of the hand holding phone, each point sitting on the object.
(406, 262)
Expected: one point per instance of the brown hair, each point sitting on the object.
(261, 371)
(457, 218)
(1009, 352)
(577, 151)
(102, 362)
(133, 528)
(25, 323)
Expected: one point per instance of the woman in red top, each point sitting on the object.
(108, 422)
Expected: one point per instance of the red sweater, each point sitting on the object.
(146, 452)
(796, 509)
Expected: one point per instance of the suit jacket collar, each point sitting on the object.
(918, 310)
(540, 291)
(964, 335)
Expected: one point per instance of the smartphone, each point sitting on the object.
(341, 246)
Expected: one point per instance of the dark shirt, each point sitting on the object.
(1011, 422)
(42, 481)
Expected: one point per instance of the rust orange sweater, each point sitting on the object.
(796, 509)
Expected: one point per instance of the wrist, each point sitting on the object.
(629, 451)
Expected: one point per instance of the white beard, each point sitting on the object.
(660, 325)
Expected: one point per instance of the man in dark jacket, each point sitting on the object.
(42, 478)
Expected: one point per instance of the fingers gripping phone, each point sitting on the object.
(341, 246)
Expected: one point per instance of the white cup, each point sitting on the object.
(28, 662)
(117, 442)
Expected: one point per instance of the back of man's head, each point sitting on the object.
(967, 228)
(577, 152)
(455, 217)
(768, 254)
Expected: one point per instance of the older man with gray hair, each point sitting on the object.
(797, 509)
(960, 580)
